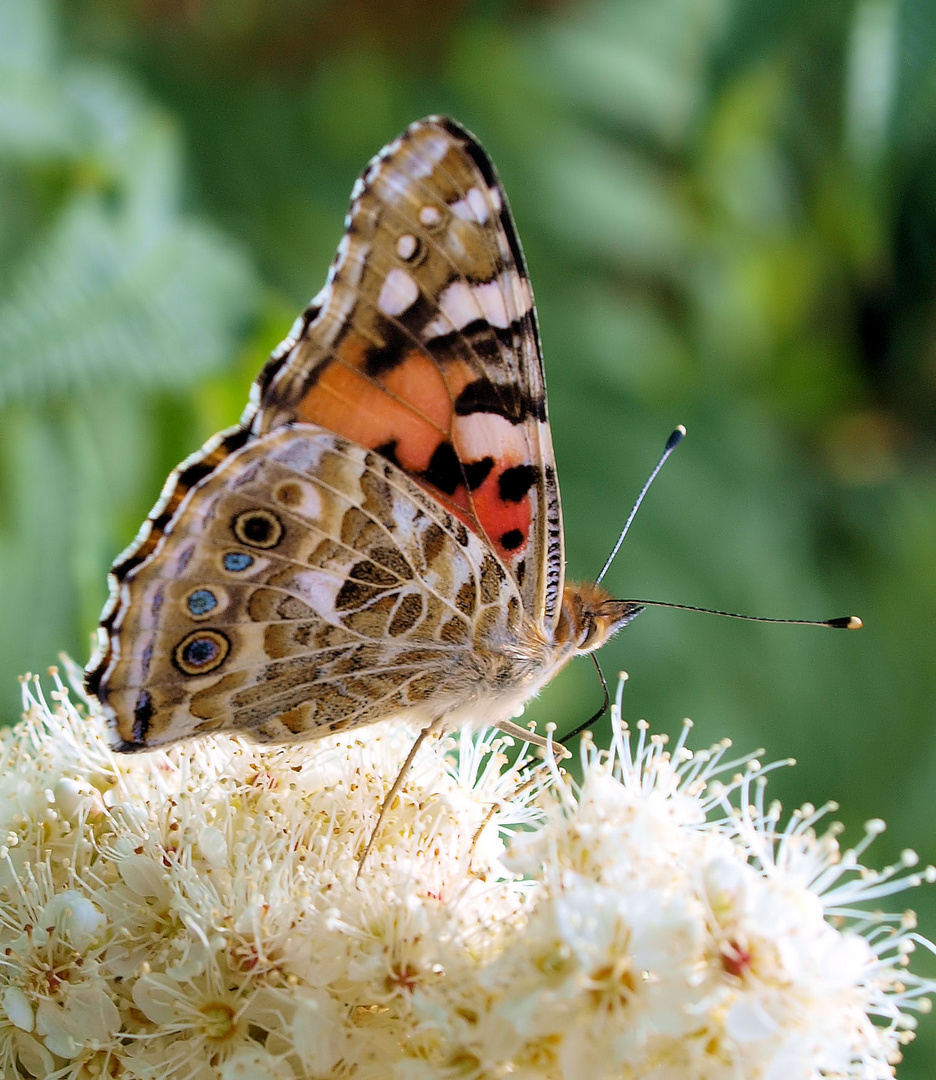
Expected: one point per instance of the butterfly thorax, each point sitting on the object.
(521, 662)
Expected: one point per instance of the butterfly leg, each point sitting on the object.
(433, 729)
(499, 805)
(525, 735)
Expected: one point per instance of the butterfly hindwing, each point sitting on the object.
(306, 585)
(423, 345)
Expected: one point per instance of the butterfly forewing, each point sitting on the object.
(423, 345)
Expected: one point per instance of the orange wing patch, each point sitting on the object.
(413, 410)
(408, 415)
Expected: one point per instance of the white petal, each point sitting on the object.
(18, 1009)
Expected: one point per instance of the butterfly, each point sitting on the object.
(381, 534)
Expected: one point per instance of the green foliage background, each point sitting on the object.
(729, 211)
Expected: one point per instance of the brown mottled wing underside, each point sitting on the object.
(303, 586)
(423, 345)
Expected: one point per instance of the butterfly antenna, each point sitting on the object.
(671, 443)
(845, 622)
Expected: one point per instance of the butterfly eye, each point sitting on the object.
(593, 635)
(258, 528)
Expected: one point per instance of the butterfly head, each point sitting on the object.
(590, 616)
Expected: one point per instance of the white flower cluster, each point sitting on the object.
(198, 914)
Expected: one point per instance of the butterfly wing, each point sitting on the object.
(423, 346)
(304, 585)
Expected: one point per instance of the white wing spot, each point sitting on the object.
(406, 246)
(425, 155)
(398, 293)
(304, 453)
(429, 216)
(474, 207)
(500, 301)
(459, 308)
(317, 588)
(479, 204)
(480, 434)
(493, 303)
(320, 299)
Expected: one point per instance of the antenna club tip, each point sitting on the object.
(854, 623)
(846, 622)
(676, 438)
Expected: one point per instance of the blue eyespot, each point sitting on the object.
(236, 561)
(201, 652)
(202, 601)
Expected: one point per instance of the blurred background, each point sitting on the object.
(729, 212)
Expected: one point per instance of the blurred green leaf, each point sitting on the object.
(617, 204)
(120, 285)
(759, 29)
(624, 62)
(30, 122)
(914, 66)
(98, 303)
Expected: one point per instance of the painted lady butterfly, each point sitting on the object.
(381, 534)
